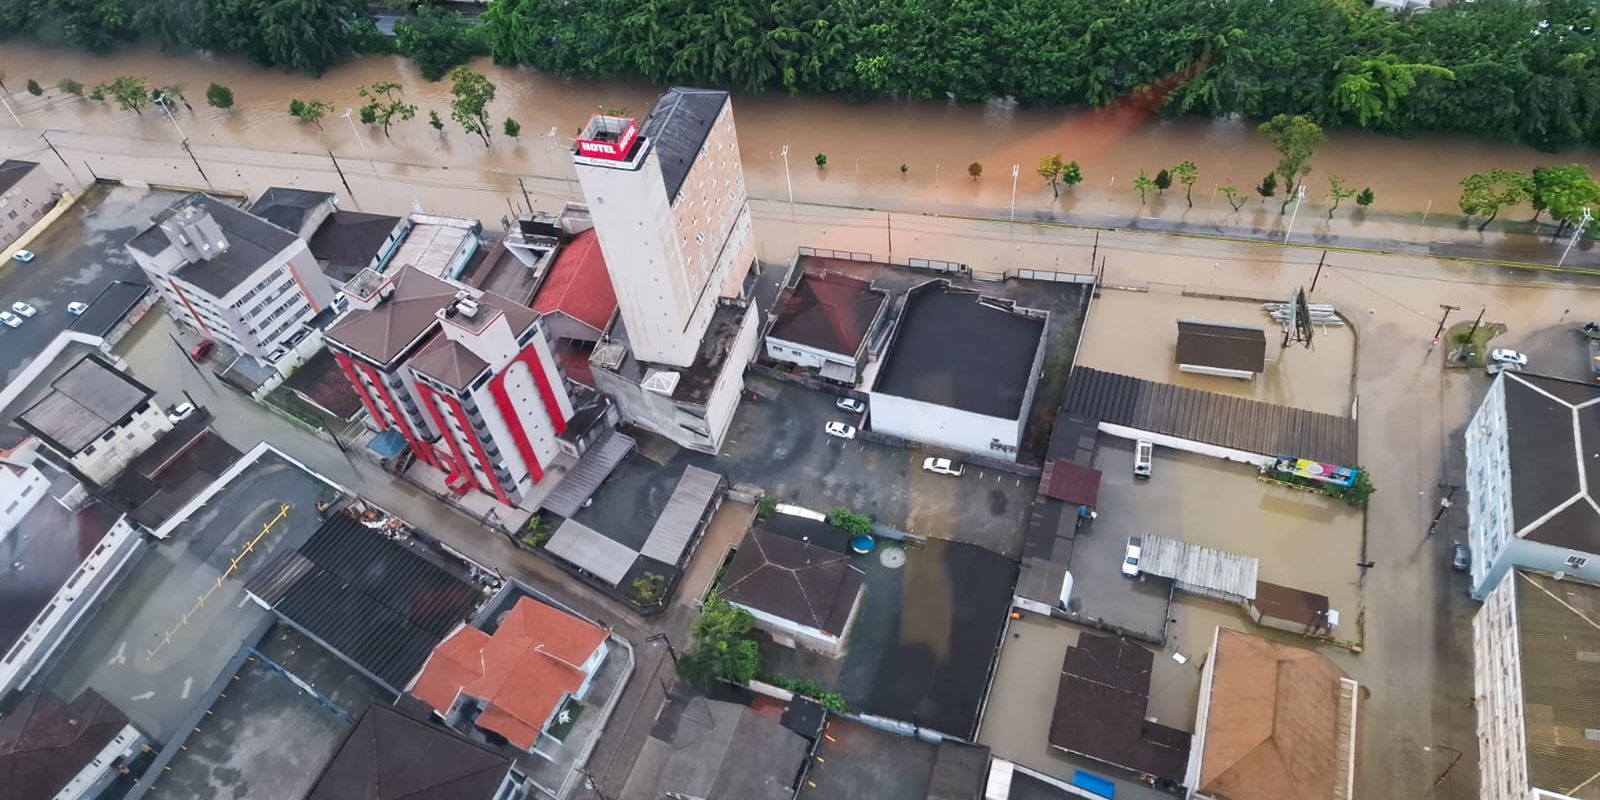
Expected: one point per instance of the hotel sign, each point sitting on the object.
(610, 150)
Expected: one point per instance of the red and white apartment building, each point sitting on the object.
(466, 377)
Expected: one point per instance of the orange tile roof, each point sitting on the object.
(521, 672)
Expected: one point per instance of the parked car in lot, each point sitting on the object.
(1144, 452)
(1460, 557)
(1507, 356)
(202, 349)
(1130, 557)
(22, 309)
(75, 308)
(840, 430)
(180, 413)
(943, 466)
(23, 256)
(10, 320)
(850, 404)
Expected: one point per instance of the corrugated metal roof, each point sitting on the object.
(369, 598)
(678, 521)
(1217, 419)
(591, 551)
(1195, 567)
(1558, 627)
(585, 477)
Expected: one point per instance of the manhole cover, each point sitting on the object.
(892, 557)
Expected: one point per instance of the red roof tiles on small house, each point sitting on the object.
(578, 284)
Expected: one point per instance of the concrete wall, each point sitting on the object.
(25, 203)
(103, 460)
(18, 495)
(1539, 556)
(944, 426)
(1197, 743)
(792, 634)
(1489, 517)
(99, 774)
(1497, 695)
(803, 354)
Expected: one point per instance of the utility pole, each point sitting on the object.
(790, 183)
(1016, 169)
(1577, 232)
(342, 180)
(525, 197)
(1095, 253)
(1440, 330)
(1300, 198)
(52, 146)
(166, 108)
(888, 223)
(7, 104)
(197, 168)
(1318, 274)
(1474, 332)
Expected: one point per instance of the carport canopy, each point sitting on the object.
(591, 551)
(1070, 483)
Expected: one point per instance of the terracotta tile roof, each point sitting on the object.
(578, 284)
(1272, 731)
(521, 672)
(380, 334)
(448, 361)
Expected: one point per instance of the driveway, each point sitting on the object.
(777, 443)
(75, 258)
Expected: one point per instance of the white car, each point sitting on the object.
(1506, 355)
(75, 308)
(850, 405)
(23, 309)
(1130, 557)
(10, 320)
(840, 430)
(23, 256)
(180, 413)
(1143, 457)
(942, 466)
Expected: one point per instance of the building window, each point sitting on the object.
(1577, 562)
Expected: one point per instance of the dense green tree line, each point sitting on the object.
(1521, 71)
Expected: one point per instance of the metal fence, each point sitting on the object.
(954, 268)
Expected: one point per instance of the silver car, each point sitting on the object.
(10, 320)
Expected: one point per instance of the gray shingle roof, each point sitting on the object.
(13, 170)
(677, 126)
(287, 207)
(804, 583)
(390, 756)
(252, 242)
(84, 403)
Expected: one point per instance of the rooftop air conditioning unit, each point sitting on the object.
(468, 308)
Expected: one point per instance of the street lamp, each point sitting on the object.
(1300, 197)
(166, 107)
(1016, 169)
(4, 102)
(786, 180)
(1582, 223)
(555, 153)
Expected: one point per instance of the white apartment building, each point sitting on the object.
(1534, 643)
(1531, 481)
(26, 195)
(96, 418)
(668, 202)
(230, 275)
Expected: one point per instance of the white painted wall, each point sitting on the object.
(110, 456)
(1489, 517)
(1497, 695)
(18, 495)
(724, 399)
(943, 426)
(803, 354)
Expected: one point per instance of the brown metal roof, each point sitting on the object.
(1217, 419)
(1558, 625)
(449, 362)
(805, 583)
(1222, 345)
(381, 333)
(1070, 483)
(1272, 732)
(1294, 605)
(830, 311)
(1101, 704)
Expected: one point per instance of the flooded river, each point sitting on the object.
(865, 142)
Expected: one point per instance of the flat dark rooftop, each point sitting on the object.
(857, 762)
(252, 241)
(956, 350)
(288, 207)
(829, 311)
(347, 242)
(85, 402)
(11, 433)
(47, 545)
(678, 124)
(109, 308)
(1552, 432)
(173, 471)
(1217, 419)
(695, 382)
(368, 598)
(1100, 709)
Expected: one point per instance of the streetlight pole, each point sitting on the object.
(555, 153)
(1300, 197)
(1582, 223)
(7, 104)
(787, 181)
(363, 142)
(1015, 171)
(166, 107)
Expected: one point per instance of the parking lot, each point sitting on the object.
(1303, 540)
(1136, 333)
(75, 258)
(778, 443)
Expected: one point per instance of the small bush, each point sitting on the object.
(765, 507)
(34, 88)
(71, 87)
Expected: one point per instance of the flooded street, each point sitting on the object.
(866, 143)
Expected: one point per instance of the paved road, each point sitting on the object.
(1416, 663)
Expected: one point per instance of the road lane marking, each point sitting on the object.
(145, 696)
(188, 683)
(121, 656)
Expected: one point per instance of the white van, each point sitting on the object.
(1143, 453)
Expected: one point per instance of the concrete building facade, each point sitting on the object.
(231, 276)
(26, 195)
(669, 206)
(467, 378)
(1532, 492)
(95, 418)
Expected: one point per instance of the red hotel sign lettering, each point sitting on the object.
(610, 151)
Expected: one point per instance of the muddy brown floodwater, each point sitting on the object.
(865, 142)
